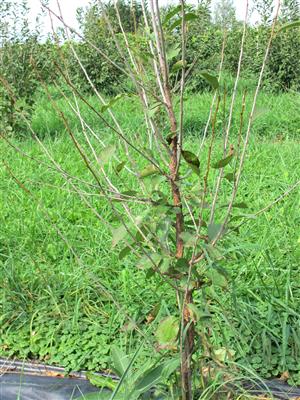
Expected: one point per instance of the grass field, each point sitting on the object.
(53, 305)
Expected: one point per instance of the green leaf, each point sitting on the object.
(217, 278)
(127, 370)
(129, 193)
(125, 195)
(182, 264)
(149, 170)
(192, 161)
(159, 197)
(151, 378)
(113, 101)
(145, 262)
(289, 25)
(211, 79)
(213, 231)
(173, 52)
(156, 375)
(106, 154)
(95, 396)
(120, 361)
(230, 177)
(190, 17)
(142, 233)
(101, 381)
(167, 331)
(240, 205)
(170, 366)
(188, 238)
(175, 24)
(187, 17)
(142, 54)
(213, 252)
(164, 265)
(118, 234)
(222, 163)
(154, 109)
(120, 166)
(124, 252)
(171, 14)
(169, 138)
(149, 274)
(178, 65)
(236, 205)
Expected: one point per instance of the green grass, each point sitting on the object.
(276, 115)
(54, 308)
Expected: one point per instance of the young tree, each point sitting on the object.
(176, 209)
(19, 44)
(265, 9)
(225, 14)
(290, 10)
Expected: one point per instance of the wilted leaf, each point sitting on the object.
(211, 79)
(194, 312)
(192, 161)
(153, 313)
(285, 376)
(167, 331)
(222, 163)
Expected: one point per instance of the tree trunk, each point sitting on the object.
(188, 348)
